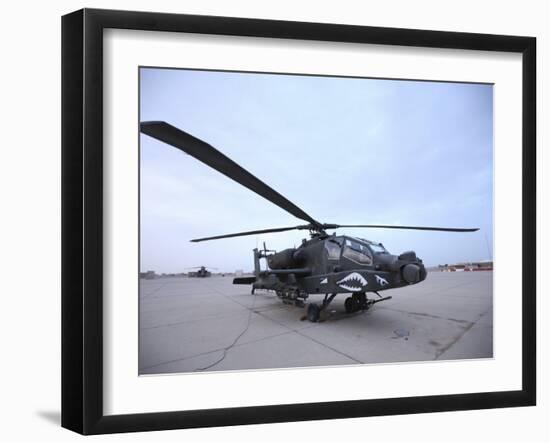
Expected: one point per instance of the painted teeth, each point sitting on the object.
(353, 282)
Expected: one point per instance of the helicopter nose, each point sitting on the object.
(413, 273)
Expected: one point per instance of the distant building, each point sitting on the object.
(148, 275)
(486, 265)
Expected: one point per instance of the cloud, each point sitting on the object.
(345, 150)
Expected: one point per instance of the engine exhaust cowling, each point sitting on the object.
(282, 260)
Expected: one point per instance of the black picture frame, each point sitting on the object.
(82, 218)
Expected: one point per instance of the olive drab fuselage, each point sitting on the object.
(335, 264)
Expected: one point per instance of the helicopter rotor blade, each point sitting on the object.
(335, 226)
(210, 156)
(417, 228)
(260, 231)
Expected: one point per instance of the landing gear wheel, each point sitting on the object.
(313, 312)
(360, 300)
(349, 305)
(356, 302)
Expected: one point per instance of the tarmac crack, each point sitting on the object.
(289, 330)
(211, 317)
(424, 314)
(298, 331)
(212, 351)
(234, 342)
(445, 348)
(225, 350)
(154, 290)
(329, 347)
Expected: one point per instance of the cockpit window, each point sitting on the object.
(377, 248)
(357, 252)
(333, 249)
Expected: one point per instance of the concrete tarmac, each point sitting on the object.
(209, 324)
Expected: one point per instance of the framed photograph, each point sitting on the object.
(269, 221)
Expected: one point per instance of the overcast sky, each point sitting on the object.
(346, 151)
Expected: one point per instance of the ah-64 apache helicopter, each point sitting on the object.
(327, 264)
(201, 271)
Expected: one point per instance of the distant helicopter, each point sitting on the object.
(202, 271)
(327, 264)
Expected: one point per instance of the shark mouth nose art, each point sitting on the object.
(353, 282)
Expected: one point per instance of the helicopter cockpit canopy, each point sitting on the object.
(357, 251)
(333, 246)
(377, 248)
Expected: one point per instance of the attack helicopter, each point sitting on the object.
(328, 264)
(202, 271)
